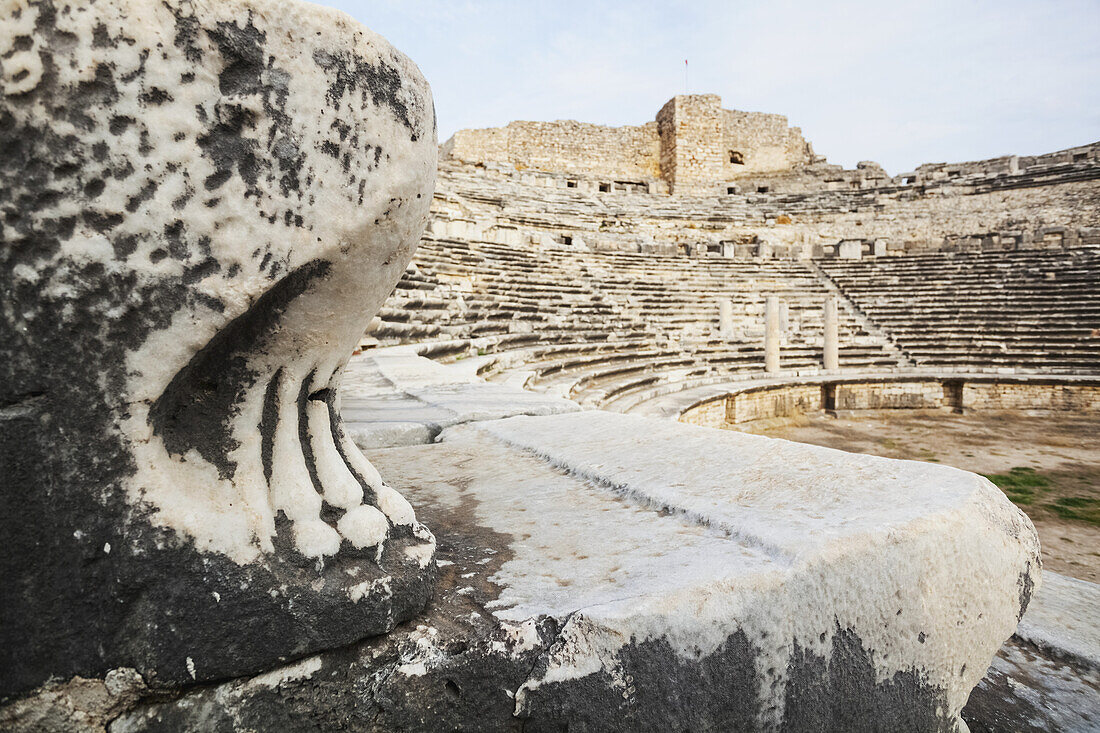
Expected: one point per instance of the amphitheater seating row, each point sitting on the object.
(512, 201)
(595, 326)
(1026, 310)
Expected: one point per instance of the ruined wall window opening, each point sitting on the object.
(953, 395)
(567, 241)
(605, 188)
(570, 184)
(731, 190)
(737, 158)
(761, 189)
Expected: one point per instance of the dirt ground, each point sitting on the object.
(1047, 463)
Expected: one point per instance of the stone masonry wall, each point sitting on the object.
(769, 403)
(1031, 396)
(891, 395)
(1016, 218)
(710, 414)
(763, 141)
(793, 399)
(694, 145)
(890, 221)
(630, 153)
(1005, 165)
(697, 160)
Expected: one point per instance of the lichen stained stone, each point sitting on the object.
(201, 206)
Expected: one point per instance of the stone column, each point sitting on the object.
(771, 335)
(832, 340)
(725, 318)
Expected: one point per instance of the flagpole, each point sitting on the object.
(685, 76)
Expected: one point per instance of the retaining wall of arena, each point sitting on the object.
(954, 392)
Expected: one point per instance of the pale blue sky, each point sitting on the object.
(902, 83)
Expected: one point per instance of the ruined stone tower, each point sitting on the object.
(695, 146)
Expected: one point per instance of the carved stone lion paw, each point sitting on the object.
(201, 207)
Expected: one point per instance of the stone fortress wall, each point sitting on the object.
(696, 147)
(631, 153)
(693, 143)
(747, 185)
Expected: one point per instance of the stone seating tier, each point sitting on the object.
(601, 327)
(495, 300)
(1036, 309)
(926, 214)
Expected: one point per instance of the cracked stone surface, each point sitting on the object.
(591, 579)
(202, 205)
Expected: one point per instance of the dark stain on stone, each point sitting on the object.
(197, 408)
(101, 222)
(269, 422)
(351, 74)
(1026, 586)
(146, 193)
(124, 245)
(308, 456)
(841, 693)
(225, 142)
(100, 37)
(139, 71)
(97, 93)
(199, 272)
(242, 53)
(18, 44)
(187, 37)
(181, 201)
(173, 235)
(155, 96)
(119, 123)
(94, 187)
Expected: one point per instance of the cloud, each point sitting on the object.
(901, 83)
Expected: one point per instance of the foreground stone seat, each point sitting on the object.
(201, 206)
(609, 572)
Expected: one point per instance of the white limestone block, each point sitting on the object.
(906, 575)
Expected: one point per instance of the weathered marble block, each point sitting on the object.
(606, 572)
(201, 206)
